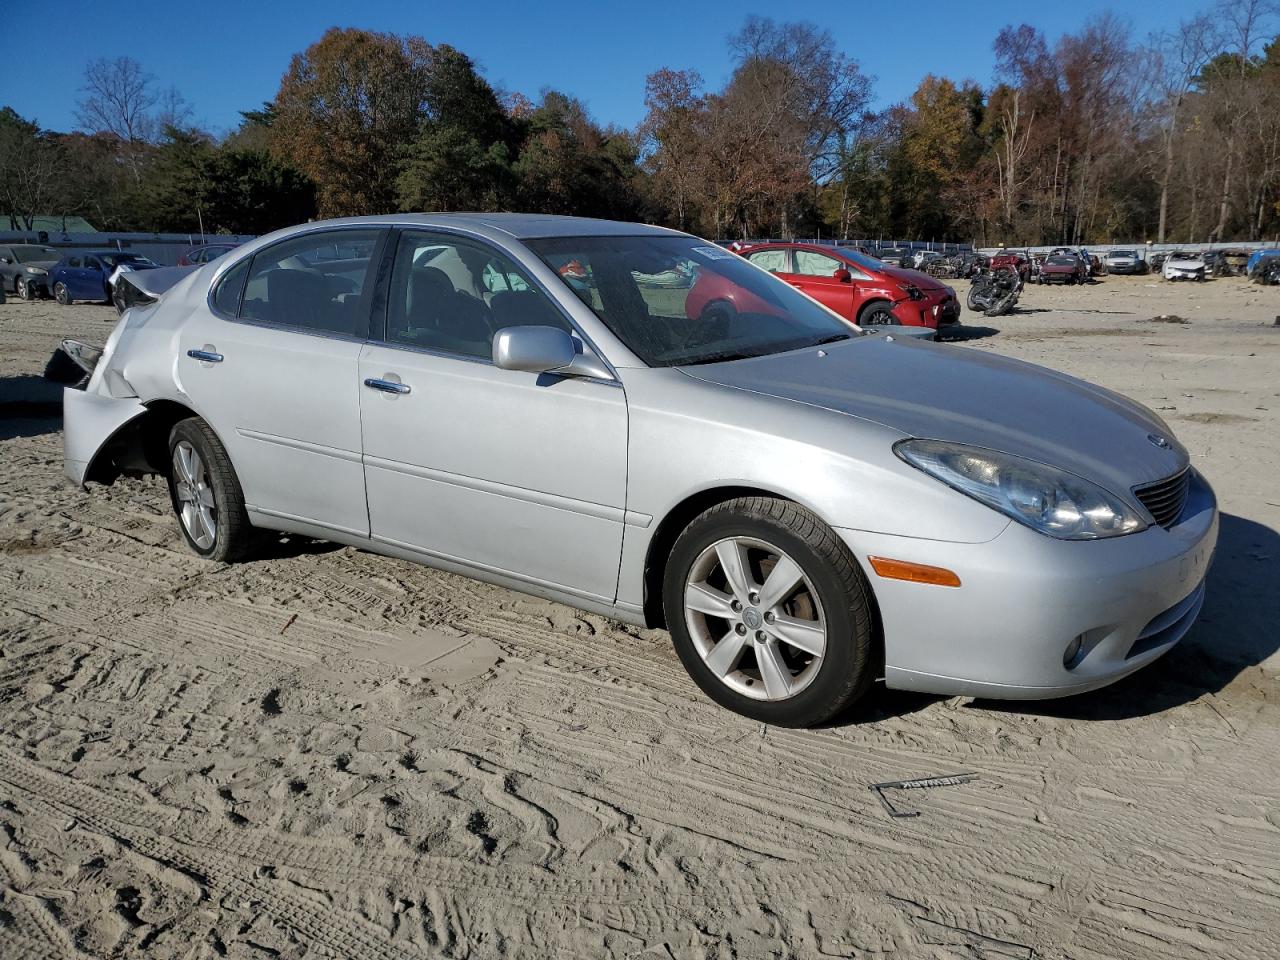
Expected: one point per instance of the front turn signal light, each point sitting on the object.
(913, 572)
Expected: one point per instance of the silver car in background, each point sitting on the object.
(1124, 261)
(805, 507)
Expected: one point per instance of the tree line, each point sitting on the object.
(1095, 136)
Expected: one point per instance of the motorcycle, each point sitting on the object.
(995, 293)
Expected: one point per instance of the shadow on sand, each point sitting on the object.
(29, 406)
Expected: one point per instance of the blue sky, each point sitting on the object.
(229, 56)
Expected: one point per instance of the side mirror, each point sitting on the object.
(544, 350)
(5, 260)
(843, 275)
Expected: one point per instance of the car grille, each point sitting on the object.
(1165, 499)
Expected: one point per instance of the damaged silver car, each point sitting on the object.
(804, 506)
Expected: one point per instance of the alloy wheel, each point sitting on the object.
(22, 289)
(755, 618)
(196, 506)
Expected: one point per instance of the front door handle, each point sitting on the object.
(386, 386)
(207, 356)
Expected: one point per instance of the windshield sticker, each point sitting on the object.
(713, 253)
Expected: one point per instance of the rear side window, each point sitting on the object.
(226, 298)
(775, 261)
(314, 282)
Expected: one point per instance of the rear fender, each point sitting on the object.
(90, 423)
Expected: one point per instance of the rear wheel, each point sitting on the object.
(206, 494)
(769, 612)
(61, 293)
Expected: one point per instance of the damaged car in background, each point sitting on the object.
(806, 506)
(1183, 265)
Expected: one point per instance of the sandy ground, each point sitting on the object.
(269, 760)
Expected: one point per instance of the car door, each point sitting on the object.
(830, 281)
(272, 365)
(67, 273)
(515, 473)
(91, 280)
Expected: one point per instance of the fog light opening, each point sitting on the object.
(1074, 653)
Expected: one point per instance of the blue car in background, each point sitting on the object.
(86, 274)
(1253, 268)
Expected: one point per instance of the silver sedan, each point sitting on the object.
(639, 423)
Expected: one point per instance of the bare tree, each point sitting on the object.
(1244, 22)
(1173, 62)
(118, 97)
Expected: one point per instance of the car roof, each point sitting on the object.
(522, 226)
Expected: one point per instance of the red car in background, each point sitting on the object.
(1018, 261)
(859, 287)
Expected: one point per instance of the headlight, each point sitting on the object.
(1044, 498)
(36, 271)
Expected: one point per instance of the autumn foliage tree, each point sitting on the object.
(345, 109)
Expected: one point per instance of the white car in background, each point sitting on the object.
(1181, 265)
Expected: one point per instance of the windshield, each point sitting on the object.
(676, 300)
(31, 254)
(861, 259)
(1123, 253)
(115, 259)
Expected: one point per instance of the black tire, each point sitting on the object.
(234, 538)
(718, 317)
(877, 314)
(62, 294)
(848, 664)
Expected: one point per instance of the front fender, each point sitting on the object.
(90, 421)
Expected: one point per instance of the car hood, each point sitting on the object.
(942, 392)
(42, 264)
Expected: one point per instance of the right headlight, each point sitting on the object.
(1044, 498)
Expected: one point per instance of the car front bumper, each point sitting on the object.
(933, 312)
(1124, 268)
(1025, 597)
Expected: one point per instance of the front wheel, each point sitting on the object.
(23, 289)
(206, 494)
(769, 612)
(877, 315)
(61, 294)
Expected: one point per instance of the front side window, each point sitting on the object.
(812, 264)
(723, 309)
(775, 261)
(450, 295)
(73, 262)
(313, 282)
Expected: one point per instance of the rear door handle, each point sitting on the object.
(207, 356)
(386, 386)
